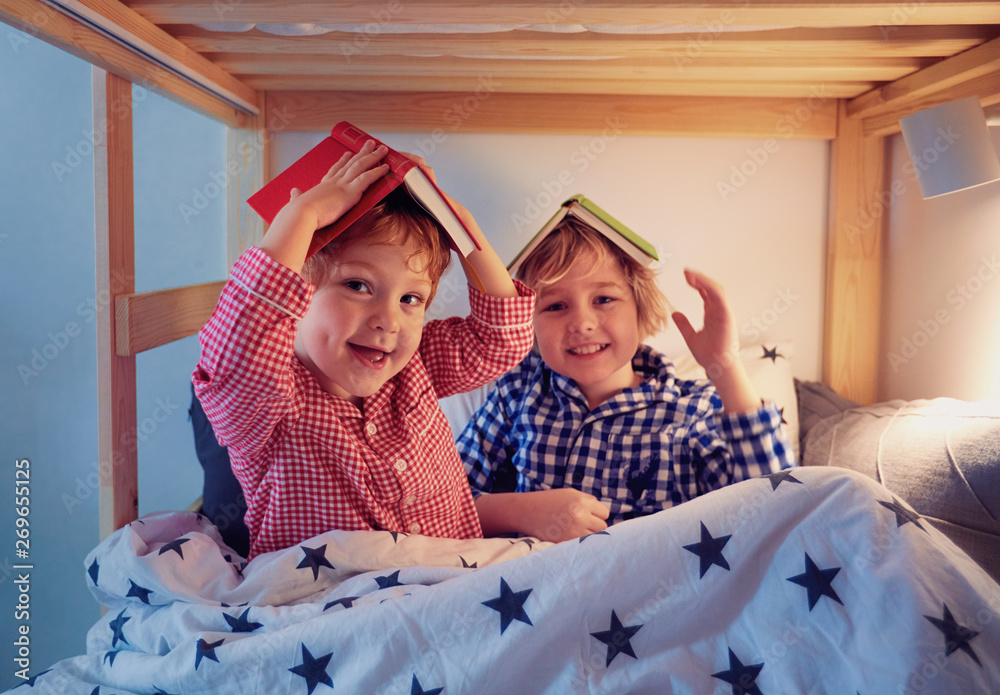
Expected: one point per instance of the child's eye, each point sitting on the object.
(412, 299)
(558, 306)
(356, 285)
(604, 300)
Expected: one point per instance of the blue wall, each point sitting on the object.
(48, 375)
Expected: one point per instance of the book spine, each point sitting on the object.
(353, 138)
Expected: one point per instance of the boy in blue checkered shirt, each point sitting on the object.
(593, 428)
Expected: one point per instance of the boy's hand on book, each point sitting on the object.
(342, 186)
(715, 346)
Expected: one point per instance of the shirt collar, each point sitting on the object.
(659, 382)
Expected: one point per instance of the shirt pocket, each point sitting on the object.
(637, 472)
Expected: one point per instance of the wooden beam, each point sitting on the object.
(976, 68)
(987, 88)
(39, 20)
(681, 48)
(859, 203)
(610, 87)
(114, 225)
(248, 155)
(150, 319)
(439, 114)
(502, 71)
(802, 13)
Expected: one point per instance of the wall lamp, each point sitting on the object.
(950, 147)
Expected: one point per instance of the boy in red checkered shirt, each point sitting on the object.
(323, 380)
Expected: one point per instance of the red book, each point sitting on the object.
(307, 171)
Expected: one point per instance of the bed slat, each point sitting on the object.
(150, 319)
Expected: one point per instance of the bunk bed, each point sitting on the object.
(384, 612)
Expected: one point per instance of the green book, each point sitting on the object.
(589, 213)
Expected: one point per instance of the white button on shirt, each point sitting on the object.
(409, 500)
(415, 528)
(400, 465)
(371, 429)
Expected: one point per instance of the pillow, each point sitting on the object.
(940, 455)
(769, 367)
(817, 401)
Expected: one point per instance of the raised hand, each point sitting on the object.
(287, 240)
(343, 185)
(716, 346)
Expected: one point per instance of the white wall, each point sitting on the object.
(750, 213)
(941, 327)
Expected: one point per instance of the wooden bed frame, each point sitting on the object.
(857, 126)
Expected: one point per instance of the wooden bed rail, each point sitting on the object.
(149, 319)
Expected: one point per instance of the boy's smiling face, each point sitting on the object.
(366, 319)
(587, 328)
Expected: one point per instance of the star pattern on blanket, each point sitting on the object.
(388, 581)
(595, 533)
(510, 605)
(139, 592)
(346, 602)
(617, 637)
(742, 678)
(314, 559)
(417, 689)
(956, 636)
(825, 578)
(709, 550)
(117, 629)
(242, 623)
(206, 650)
(783, 476)
(904, 514)
(174, 545)
(466, 565)
(313, 669)
(396, 534)
(817, 582)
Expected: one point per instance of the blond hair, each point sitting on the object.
(394, 221)
(574, 242)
